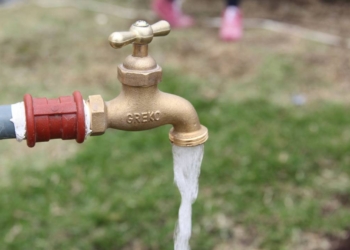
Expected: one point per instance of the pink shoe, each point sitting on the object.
(231, 24)
(168, 11)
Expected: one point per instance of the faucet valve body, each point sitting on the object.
(140, 104)
(47, 119)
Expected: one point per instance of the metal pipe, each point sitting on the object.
(7, 127)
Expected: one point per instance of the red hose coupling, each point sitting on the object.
(47, 119)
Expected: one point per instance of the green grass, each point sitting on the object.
(264, 168)
(271, 168)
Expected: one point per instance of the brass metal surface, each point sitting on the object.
(140, 104)
(142, 108)
(188, 139)
(139, 33)
(140, 50)
(139, 63)
(139, 69)
(139, 78)
(98, 114)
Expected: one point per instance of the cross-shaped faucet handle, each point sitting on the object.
(139, 33)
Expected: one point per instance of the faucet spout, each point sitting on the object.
(143, 108)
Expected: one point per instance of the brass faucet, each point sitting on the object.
(140, 104)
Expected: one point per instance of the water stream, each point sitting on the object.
(187, 164)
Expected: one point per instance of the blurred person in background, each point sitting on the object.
(231, 24)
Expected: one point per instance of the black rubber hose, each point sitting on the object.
(7, 128)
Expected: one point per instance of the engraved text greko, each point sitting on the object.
(143, 117)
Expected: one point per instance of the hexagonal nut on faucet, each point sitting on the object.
(98, 111)
(139, 78)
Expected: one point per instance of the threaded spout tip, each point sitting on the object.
(189, 139)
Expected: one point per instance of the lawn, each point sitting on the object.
(274, 176)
